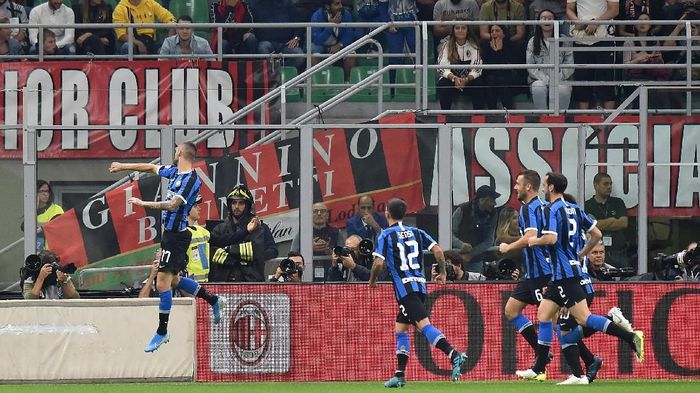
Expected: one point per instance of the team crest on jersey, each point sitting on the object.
(177, 183)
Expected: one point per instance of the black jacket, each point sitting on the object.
(247, 251)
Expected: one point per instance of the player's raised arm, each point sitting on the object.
(170, 205)
(140, 167)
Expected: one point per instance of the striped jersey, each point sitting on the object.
(534, 258)
(184, 186)
(586, 281)
(401, 247)
(565, 220)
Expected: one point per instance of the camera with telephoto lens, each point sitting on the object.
(34, 262)
(366, 247)
(501, 269)
(617, 272)
(342, 251)
(667, 267)
(289, 267)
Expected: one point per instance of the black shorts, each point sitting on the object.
(567, 322)
(173, 257)
(411, 309)
(531, 291)
(566, 292)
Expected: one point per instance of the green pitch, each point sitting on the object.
(634, 386)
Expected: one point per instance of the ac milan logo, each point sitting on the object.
(249, 333)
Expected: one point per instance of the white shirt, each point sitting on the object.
(43, 14)
(466, 52)
(591, 9)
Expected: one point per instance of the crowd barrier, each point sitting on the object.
(344, 332)
(93, 340)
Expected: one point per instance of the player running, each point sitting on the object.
(401, 247)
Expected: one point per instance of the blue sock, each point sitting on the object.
(188, 285)
(432, 334)
(545, 335)
(597, 322)
(166, 302)
(403, 344)
(521, 322)
(570, 338)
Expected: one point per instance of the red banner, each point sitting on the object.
(78, 93)
(307, 332)
(348, 162)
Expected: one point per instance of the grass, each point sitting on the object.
(631, 386)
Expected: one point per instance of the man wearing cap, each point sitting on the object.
(474, 227)
(242, 243)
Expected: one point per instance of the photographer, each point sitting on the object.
(290, 269)
(597, 268)
(455, 269)
(43, 278)
(353, 262)
(683, 265)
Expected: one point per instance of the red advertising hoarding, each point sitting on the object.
(345, 332)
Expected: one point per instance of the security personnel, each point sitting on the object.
(198, 253)
(242, 243)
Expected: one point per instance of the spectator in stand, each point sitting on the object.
(185, 42)
(15, 13)
(499, 83)
(330, 40)
(449, 10)
(671, 10)
(426, 9)
(8, 45)
(366, 223)
(396, 38)
(611, 215)
(236, 40)
(592, 35)
(460, 48)
(53, 12)
(140, 11)
(94, 41)
(474, 227)
(503, 10)
(691, 13)
(279, 40)
(508, 231)
(325, 236)
(632, 9)
(554, 6)
(636, 53)
(50, 48)
(538, 53)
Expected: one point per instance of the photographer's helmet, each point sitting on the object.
(240, 193)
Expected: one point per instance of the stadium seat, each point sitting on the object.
(407, 94)
(332, 75)
(369, 94)
(286, 74)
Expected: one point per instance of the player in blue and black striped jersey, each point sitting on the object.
(401, 248)
(561, 234)
(183, 189)
(538, 271)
